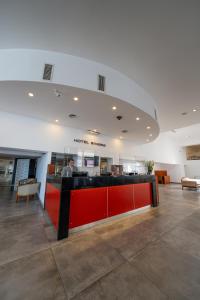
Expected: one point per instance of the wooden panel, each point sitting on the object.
(51, 169)
(160, 172)
(142, 194)
(52, 203)
(87, 206)
(120, 199)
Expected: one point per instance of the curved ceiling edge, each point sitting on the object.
(28, 65)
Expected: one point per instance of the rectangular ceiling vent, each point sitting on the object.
(48, 70)
(101, 83)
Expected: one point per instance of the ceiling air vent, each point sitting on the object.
(101, 83)
(72, 116)
(47, 74)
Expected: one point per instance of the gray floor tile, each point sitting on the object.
(124, 283)
(184, 240)
(31, 278)
(173, 272)
(84, 260)
(19, 239)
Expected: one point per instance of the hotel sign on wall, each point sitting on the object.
(89, 143)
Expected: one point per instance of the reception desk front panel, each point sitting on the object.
(81, 201)
(87, 206)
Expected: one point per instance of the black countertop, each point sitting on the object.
(75, 183)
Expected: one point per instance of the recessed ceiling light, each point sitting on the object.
(31, 94)
(137, 119)
(184, 113)
(124, 131)
(148, 127)
(194, 110)
(121, 137)
(114, 108)
(151, 134)
(147, 140)
(75, 98)
(56, 121)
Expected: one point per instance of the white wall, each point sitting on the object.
(176, 171)
(30, 134)
(162, 150)
(192, 168)
(41, 173)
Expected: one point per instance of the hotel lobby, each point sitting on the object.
(99, 150)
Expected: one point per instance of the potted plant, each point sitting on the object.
(149, 165)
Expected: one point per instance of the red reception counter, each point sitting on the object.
(73, 202)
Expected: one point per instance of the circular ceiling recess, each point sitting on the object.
(54, 86)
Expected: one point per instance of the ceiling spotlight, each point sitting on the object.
(75, 98)
(147, 140)
(56, 121)
(148, 127)
(57, 93)
(137, 119)
(114, 108)
(151, 134)
(124, 131)
(194, 110)
(31, 94)
(121, 137)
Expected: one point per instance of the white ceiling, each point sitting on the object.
(93, 109)
(17, 153)
(156, 43)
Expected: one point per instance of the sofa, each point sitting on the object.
(190, 183)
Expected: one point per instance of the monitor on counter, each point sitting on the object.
(79, 174)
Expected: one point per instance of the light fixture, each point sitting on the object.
(31, 94)
(94, 131)
(121, 137)
(57, 93)
(114, 108)
(184, 113)
(151, 134)
(56, 120)
(75, 98)
(124, 131)
(194, 110)
(137, 119)
(148, 127)
(147, 140)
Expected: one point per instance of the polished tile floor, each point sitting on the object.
(154, 255)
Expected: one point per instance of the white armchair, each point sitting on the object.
(27, 190)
